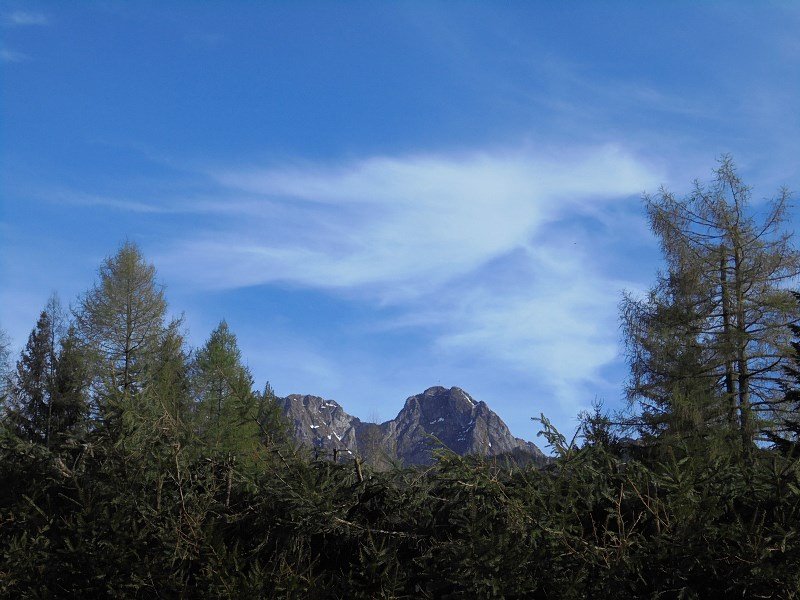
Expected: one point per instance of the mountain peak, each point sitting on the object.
(438, 399)
(438, 391)
(452, 416)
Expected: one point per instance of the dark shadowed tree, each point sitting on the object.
(786, 436)
(31, 385)
(70, 391)
(5, 371)
(47, 394)
(5, 359)
(273, 426)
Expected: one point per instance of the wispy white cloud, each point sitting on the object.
(558, 322)
(429, 235)
(149, 203)
(399, 226)
(491, 256)
(84, 199)
(23, 18)
(20, 18)
(11, 56)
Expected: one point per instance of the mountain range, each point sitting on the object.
(436, 417)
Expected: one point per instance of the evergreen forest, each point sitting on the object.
(134, 466)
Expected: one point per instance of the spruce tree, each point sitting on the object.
(47, 394)
(167, 399)
(70, 402)
(32, 384)
(786, 436)
(273, 426)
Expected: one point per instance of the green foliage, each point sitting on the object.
(229, 412)
(70, 391)
(786, 435)
(32, 385)
(274, 429)
(171, 518)
(709, 343)
(121, 322)
(47, 396)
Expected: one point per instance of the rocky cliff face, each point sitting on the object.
(321, 423)
(451, 416)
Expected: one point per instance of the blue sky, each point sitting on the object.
(381, 197)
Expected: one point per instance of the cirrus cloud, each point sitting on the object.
(397, 226)
(24, 18)
(487, 252)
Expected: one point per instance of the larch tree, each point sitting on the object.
(710, 342)
(227, 407)
(169, 384)
(121, 321)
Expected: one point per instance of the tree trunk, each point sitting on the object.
(743, 372)
(730, 389)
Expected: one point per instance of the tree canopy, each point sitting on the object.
(711, 340)
(121, 320)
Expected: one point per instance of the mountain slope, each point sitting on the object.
(450, 416)
(462, 424)
(321, 423)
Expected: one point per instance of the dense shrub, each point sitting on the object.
(106, 519)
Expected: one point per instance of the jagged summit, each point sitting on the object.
(452, 416)
(321, 423)
(454, 398)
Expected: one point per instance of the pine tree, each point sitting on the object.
(709, 343)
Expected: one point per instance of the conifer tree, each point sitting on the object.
(69, 396)
(5, 354)
(227, 406)
(121, 321)
(48, 390)
(169, 383)
(272, 424)
(671, 374)
(709, 343)
(786, 436)
(32, 384)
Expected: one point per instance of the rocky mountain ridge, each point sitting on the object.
(451, 416)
